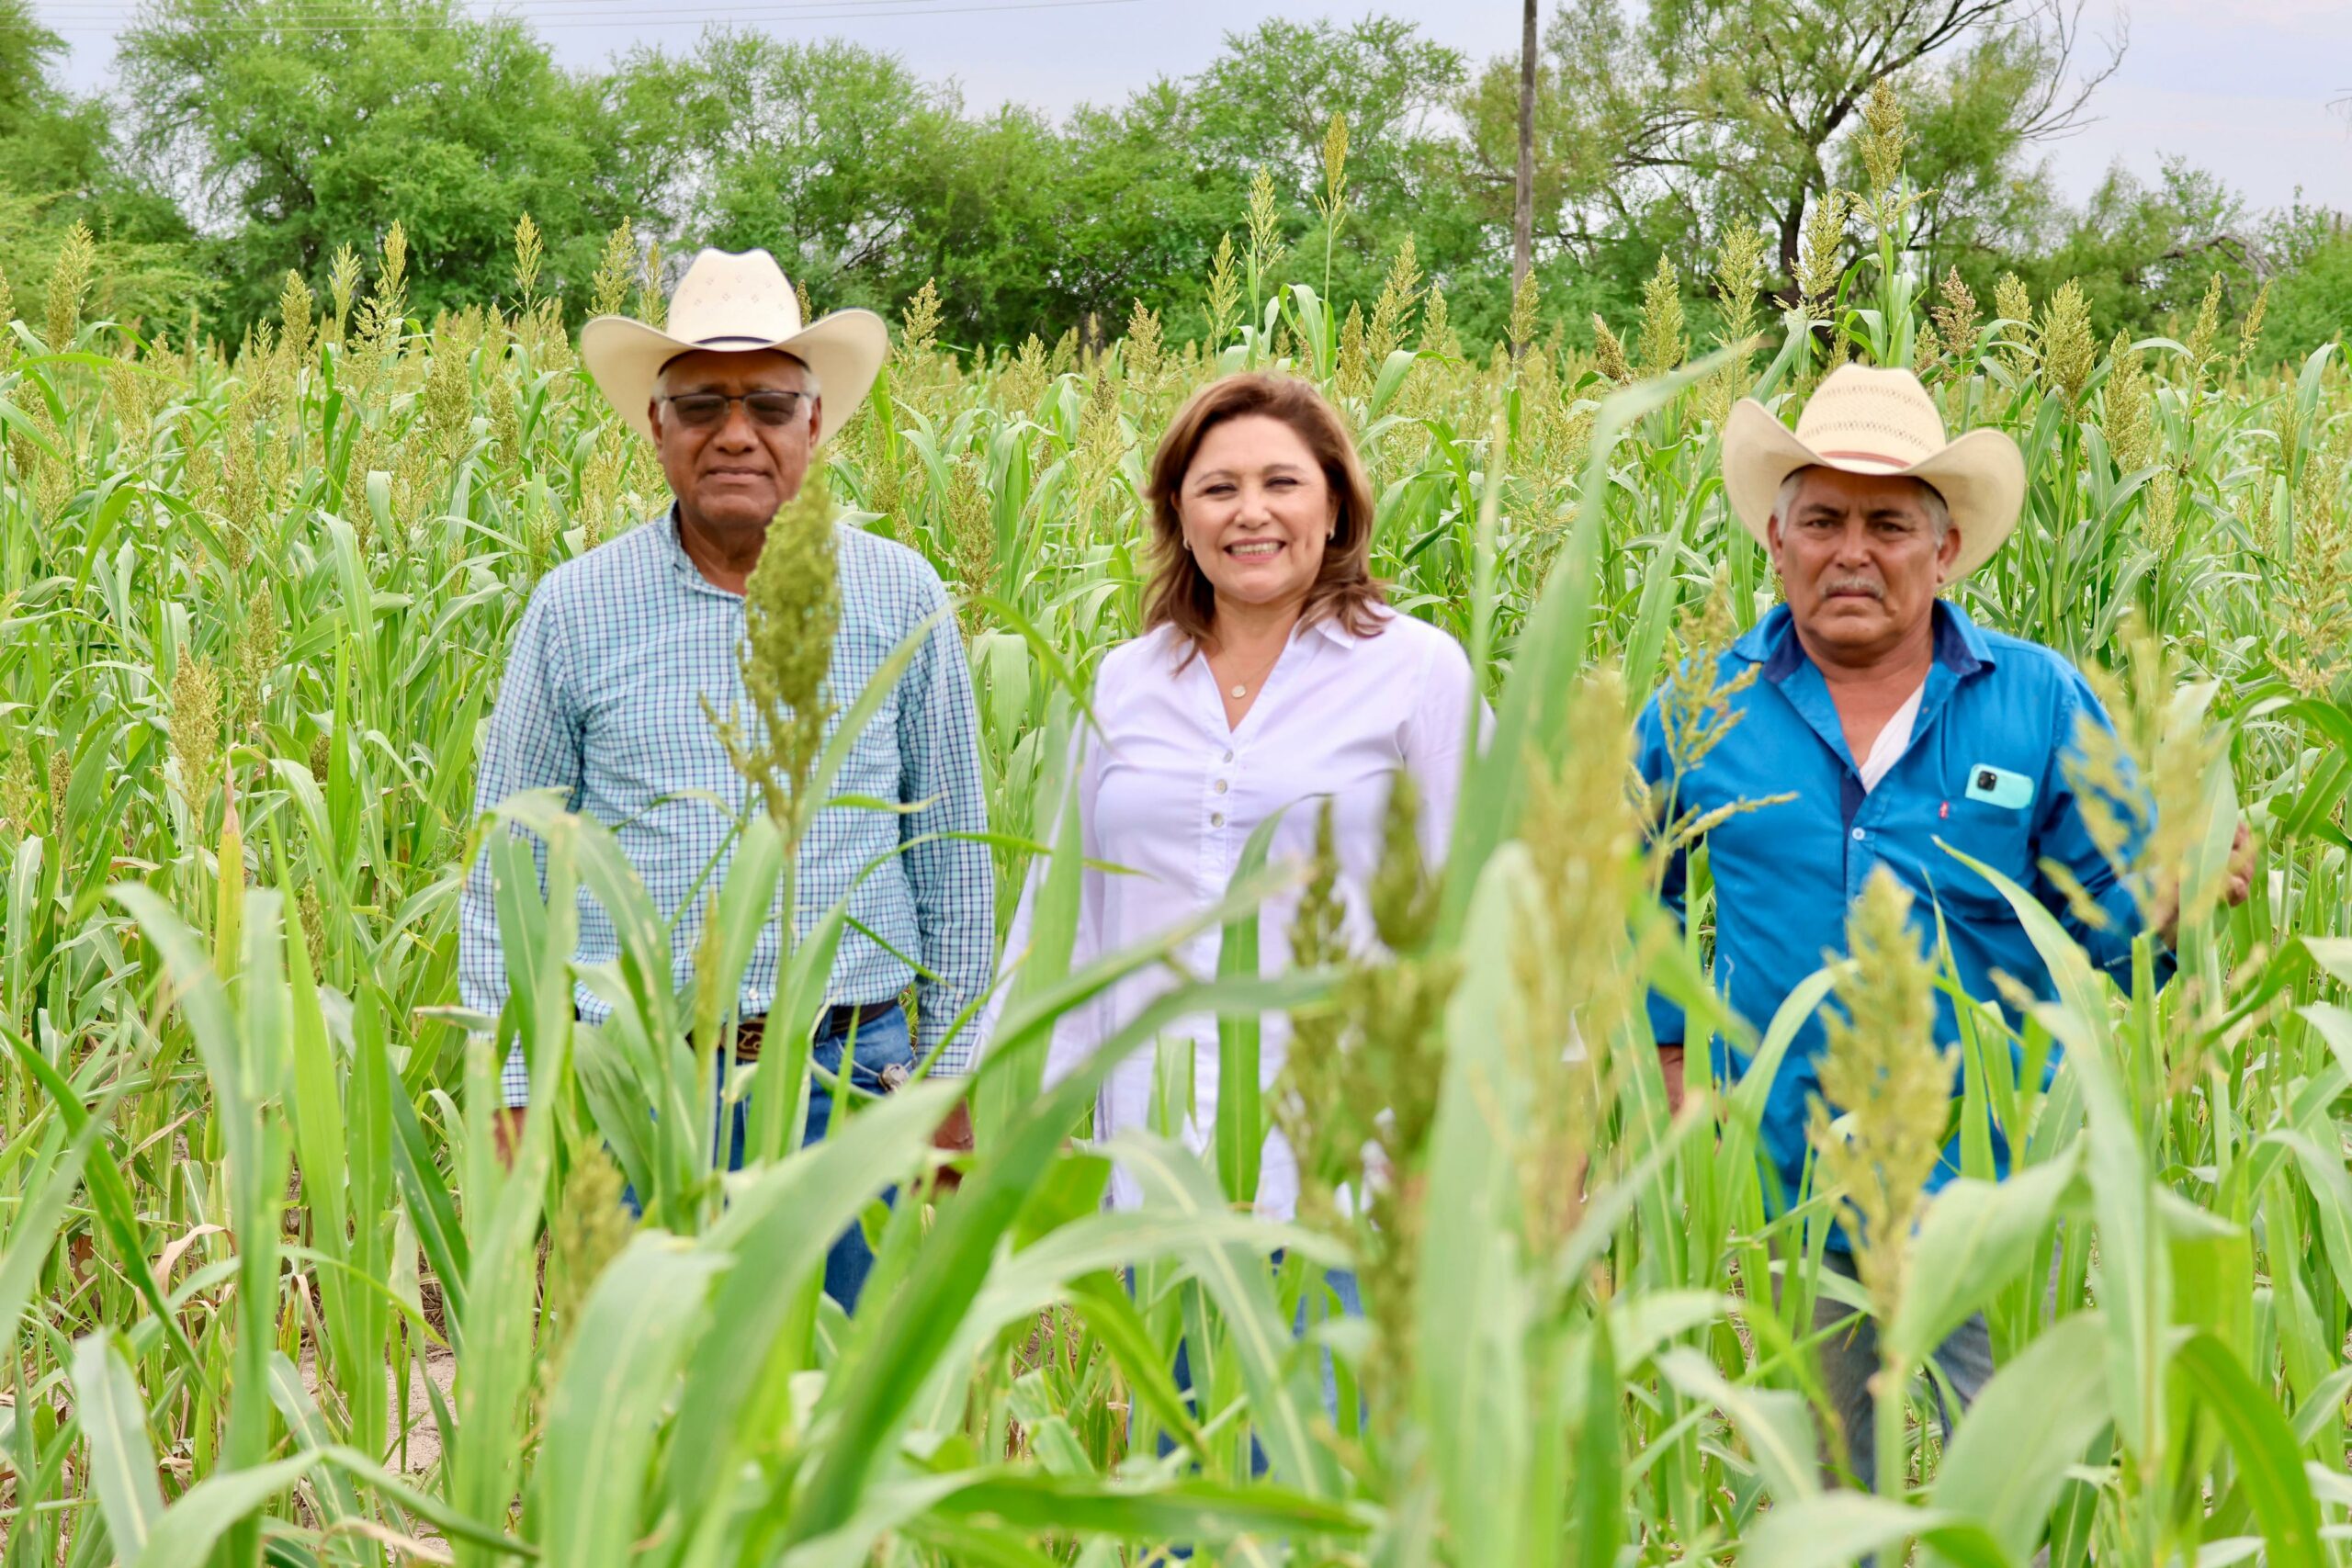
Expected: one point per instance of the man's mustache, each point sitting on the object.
(1869, 585)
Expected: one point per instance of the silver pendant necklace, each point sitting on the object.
(1240, 689)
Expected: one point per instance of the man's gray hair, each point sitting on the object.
(1931, 500)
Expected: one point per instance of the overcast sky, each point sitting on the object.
(2244, 87)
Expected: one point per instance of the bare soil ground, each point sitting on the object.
(435, 1365)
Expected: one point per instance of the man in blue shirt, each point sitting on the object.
(619, 651)
(1889, 722)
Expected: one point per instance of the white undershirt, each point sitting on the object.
(1171, 792)
(1893, 741)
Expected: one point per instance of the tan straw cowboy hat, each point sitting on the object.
(1877, 422)
(736, 301)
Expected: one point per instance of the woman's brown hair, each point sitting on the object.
(1178, 593)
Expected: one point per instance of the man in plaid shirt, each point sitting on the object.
(619, 650)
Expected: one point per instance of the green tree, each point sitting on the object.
(1146, 208)
(1006, 217)
(864, 179)
(298, 136)
(60, 165)
(1693, 114)
(1268, 97)
(2145, 251)
(283, 133)
(871, 181)
(2311, 301)
(818, 151)
(1267, 101)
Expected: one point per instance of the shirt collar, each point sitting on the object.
(1772, 642)
(1961, 647)
(673, 548)
(683, 564)
(1331, 628)
(1334, 630)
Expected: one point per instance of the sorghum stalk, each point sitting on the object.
(2141, 786)
(1333, 202)
(1573, 965)
(791, 606)
(1882, 1068)
(1663, 344)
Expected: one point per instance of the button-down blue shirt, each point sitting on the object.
(1785, 875)
(603, 698)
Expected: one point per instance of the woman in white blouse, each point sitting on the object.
(1270, 671)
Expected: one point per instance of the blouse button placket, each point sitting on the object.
(1220, 783)
(1218, 852)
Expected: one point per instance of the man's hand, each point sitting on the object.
(954, 1136)
(507, 1132)
(2234, 891)
(1669, 1062)
(2241, 880)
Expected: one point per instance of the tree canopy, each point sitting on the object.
(60, 166)
(266, 145)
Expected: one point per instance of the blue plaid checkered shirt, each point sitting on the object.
(602, 699)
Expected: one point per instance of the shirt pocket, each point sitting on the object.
(1996, 836)
(645, 736)
(873, 766)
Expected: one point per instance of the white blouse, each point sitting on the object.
(1171, 793)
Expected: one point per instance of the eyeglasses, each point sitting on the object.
(703, 411)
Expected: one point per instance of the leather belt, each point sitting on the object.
(839, 1019)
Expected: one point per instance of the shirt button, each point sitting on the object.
(1216, 818)
(1229, 756)
(1860, 835)
(1220, 787)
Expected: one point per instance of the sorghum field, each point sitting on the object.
(275, 1298)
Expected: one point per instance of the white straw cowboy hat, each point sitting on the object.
(1877, 422)
(736, 301)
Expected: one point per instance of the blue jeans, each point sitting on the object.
(882, 1042)
(1312, 1309)
(1850, 1359)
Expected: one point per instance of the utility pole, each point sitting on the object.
(1522, 216)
